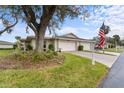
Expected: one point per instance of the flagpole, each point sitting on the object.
(93, 60)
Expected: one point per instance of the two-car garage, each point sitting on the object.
(72, 45)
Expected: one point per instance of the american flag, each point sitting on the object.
(102, 37)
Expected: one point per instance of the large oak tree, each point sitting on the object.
(39, 18)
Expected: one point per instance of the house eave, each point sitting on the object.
(29, 38)
(6, 43)
(75, 39)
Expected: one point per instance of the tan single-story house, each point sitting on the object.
(6, 45)
(67, 42)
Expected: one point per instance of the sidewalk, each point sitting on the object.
(115, 77)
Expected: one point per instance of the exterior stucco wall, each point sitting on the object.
(6, 46)
(56, 45)
(47, 42)
(86, 45)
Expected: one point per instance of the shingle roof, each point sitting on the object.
(5, 43)
(65, 36)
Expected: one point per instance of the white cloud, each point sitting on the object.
(82, 32)
(113, 17)
(68, 30)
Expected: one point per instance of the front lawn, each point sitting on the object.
(76, 72)
(4, 53)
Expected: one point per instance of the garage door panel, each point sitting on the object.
(67, 45)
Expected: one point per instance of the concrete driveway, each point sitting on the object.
(107, 60)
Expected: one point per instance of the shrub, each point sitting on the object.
(29, 47)
(30, 59)
(52, 52)
(37, 57)
(51, 47)
(80, 48)
(49, 55)
(30, 56)
(14, 46)
(20, 55)
(55, 53)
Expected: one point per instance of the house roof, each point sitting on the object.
(69, 36)
(5, 43)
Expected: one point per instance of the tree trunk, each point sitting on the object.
(48, 12)
(40, 40)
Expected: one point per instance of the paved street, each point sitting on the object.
(107, 60)
(115, 77)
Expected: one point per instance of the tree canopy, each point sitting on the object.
(116, 39)
(39, 18)
(35, 15)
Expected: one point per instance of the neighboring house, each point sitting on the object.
(67, 42)
(107, 45)
(6, 45)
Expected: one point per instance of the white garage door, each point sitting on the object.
(66, 45)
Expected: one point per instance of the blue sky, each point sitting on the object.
(87, 29)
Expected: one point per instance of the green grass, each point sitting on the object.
(4, 53)
(119, 50)
(76, 72)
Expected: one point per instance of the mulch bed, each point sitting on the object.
(10, 63)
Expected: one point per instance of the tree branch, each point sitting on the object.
(32, 27)
(30, 16)
(48, 12)
(8, 27)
